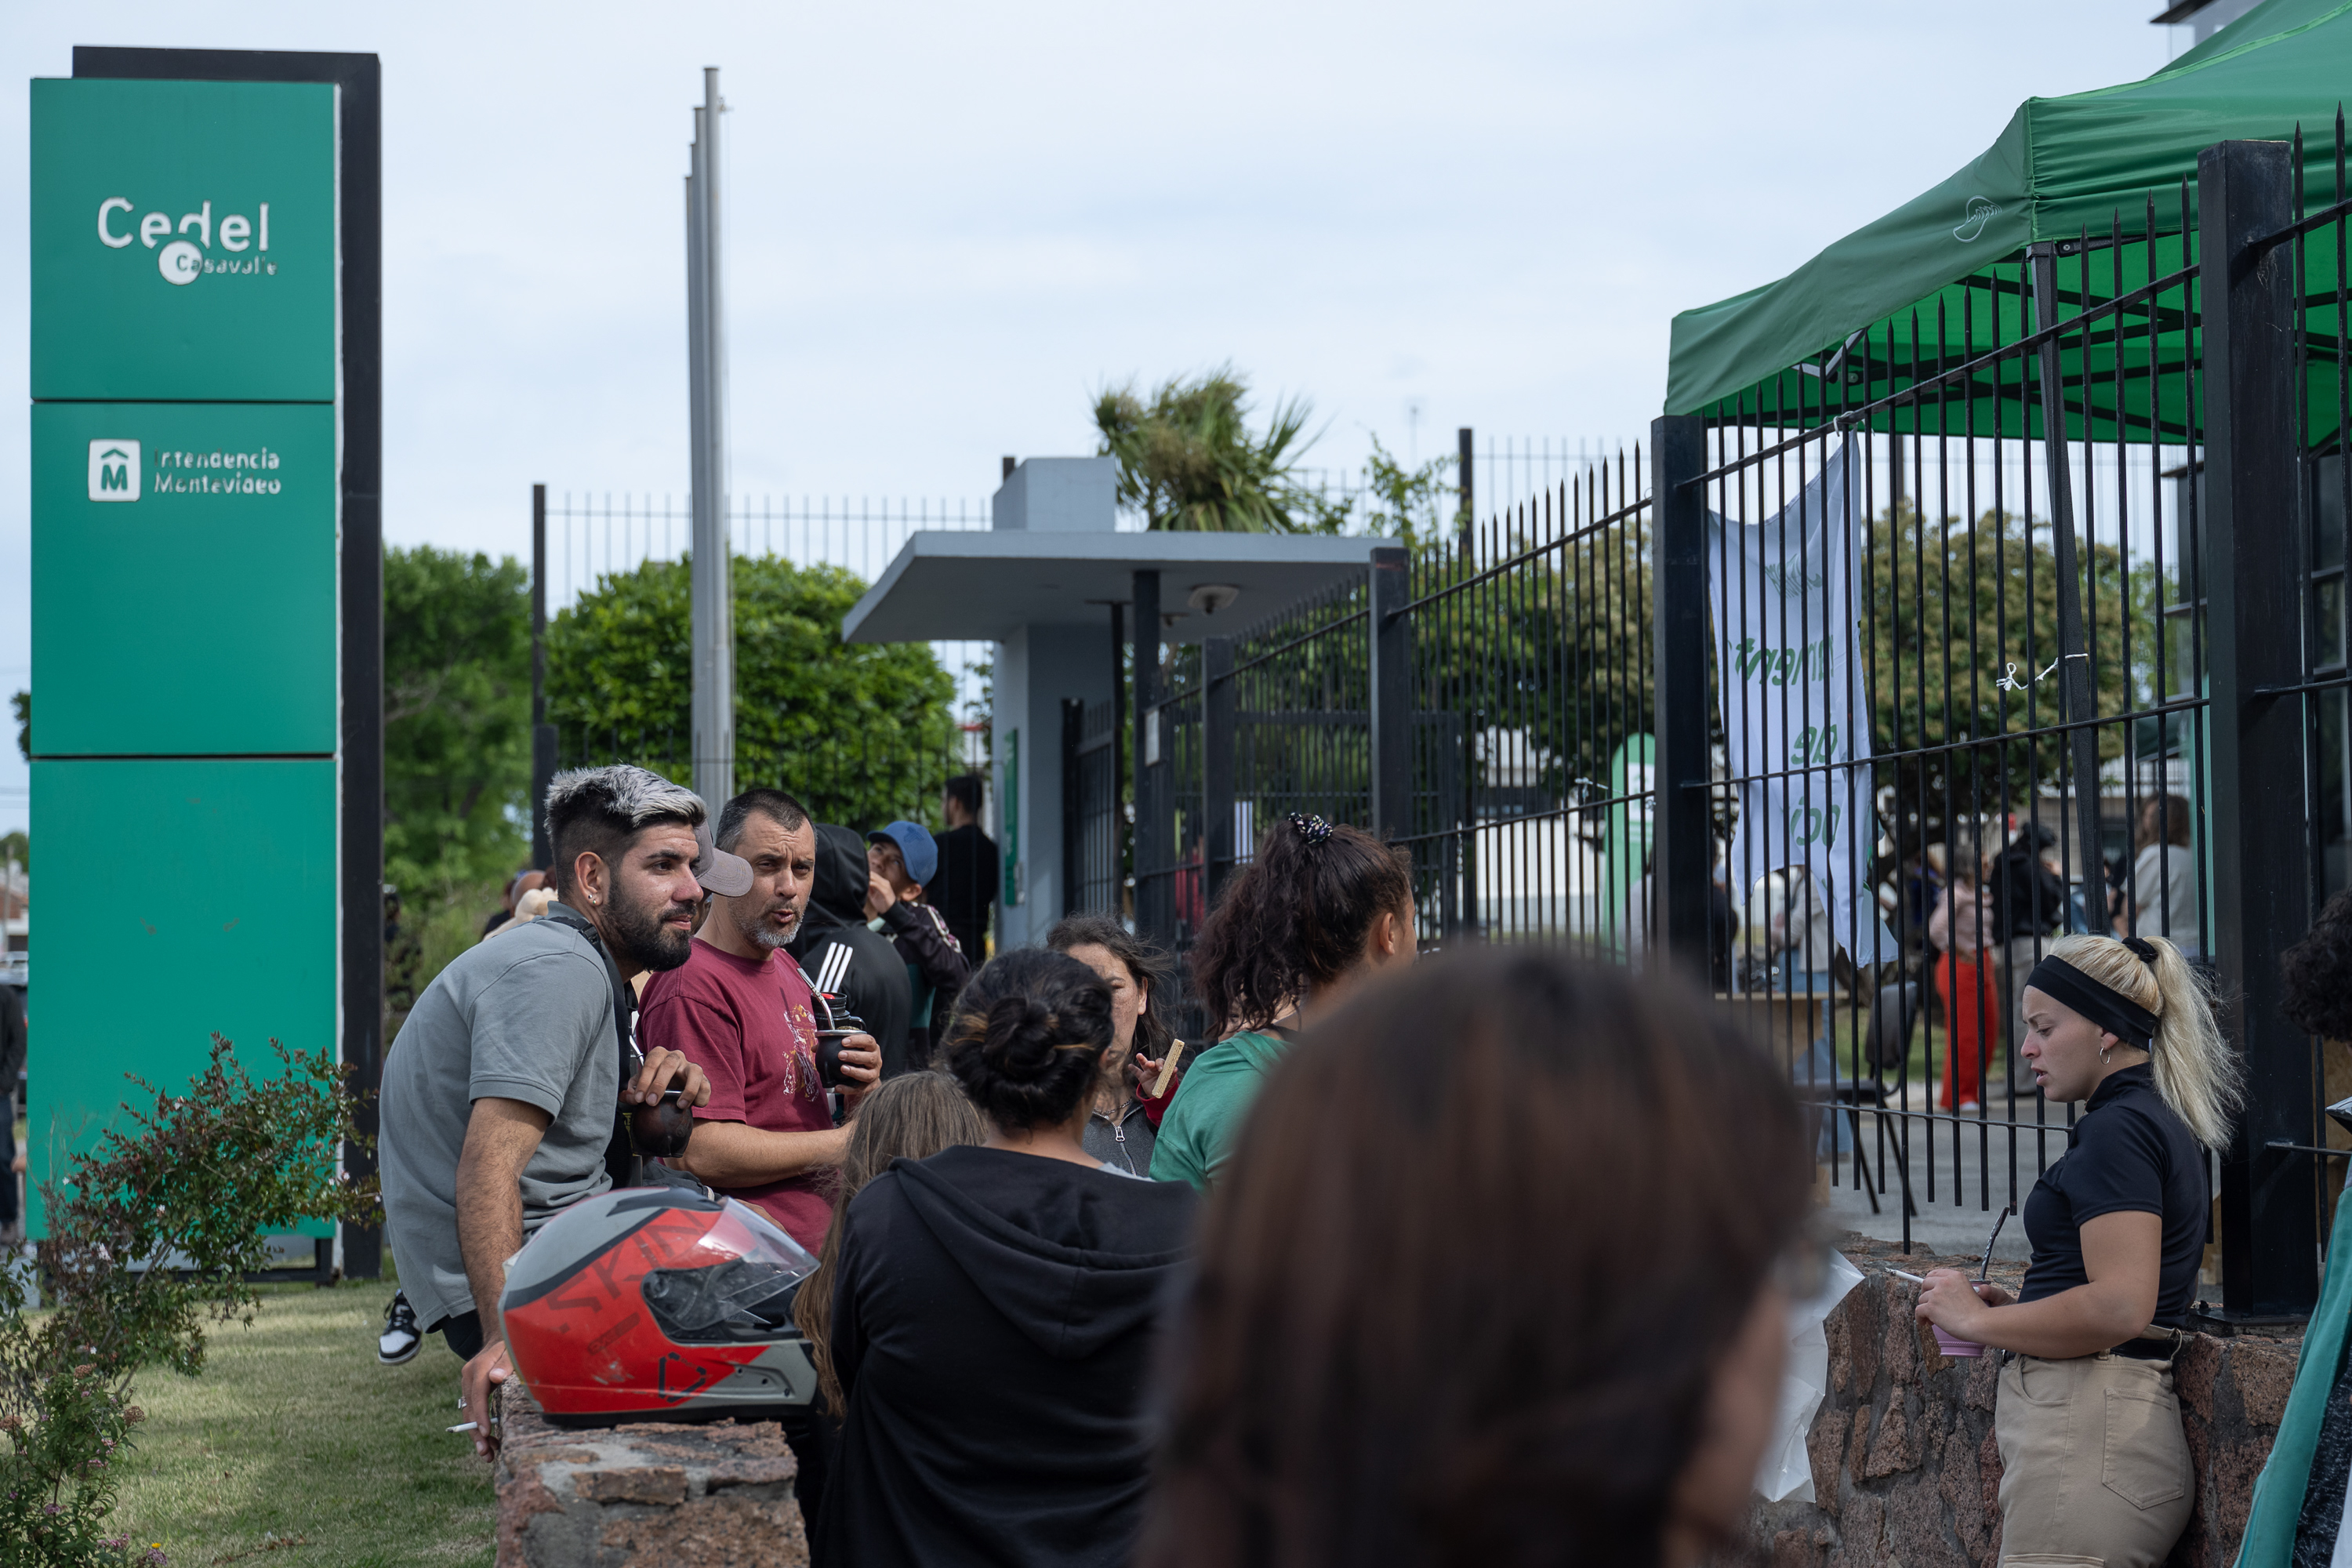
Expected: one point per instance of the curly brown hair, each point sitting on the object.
(2318, 974)
(1297, 919)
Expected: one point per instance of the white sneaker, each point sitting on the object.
(400, 1340)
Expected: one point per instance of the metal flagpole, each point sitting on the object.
(542, 733)
(713, 630)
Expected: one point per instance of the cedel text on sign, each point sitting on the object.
(143, 188)
(181, 261)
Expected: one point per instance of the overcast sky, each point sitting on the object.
(950, 225)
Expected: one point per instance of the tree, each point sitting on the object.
(1961, 658)
(861, 733)
(456, 719)
(1557, 649)
(1189, 462)
(1408, 503)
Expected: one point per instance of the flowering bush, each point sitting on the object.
(152, 1234)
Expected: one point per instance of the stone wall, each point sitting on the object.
(1905, 1467)
(644, 1494)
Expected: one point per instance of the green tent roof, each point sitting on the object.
(2111, 161)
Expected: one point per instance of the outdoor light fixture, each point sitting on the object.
(1210, 597)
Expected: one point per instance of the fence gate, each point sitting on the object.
(2030, 601)
(1093, 821)
(1481, 699)
(1530, 667)
(2058, 704)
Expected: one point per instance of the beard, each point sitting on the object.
(638, 934)
(760, 930)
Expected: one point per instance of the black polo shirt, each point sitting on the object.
(2129, 1153)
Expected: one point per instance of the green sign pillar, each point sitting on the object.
(207, 633)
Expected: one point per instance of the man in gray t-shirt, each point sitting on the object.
(528, 1018)
(500, 1093)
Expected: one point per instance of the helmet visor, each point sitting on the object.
(743, 1293)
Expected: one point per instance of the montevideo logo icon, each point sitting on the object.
(113, 470)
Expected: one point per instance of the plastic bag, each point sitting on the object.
(1787, 1471)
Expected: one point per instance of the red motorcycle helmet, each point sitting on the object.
(658, 1303)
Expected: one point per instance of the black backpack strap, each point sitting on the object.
(620, 1154)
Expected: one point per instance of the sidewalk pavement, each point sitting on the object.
(1960, 1174)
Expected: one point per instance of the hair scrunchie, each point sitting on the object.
(1310, 828)
(2141, 948)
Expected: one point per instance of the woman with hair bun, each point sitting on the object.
(1323, 907)
(992, 1318)
(2095, 1466)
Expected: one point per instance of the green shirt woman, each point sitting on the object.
(1322, 907)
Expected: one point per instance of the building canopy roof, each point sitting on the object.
(2091, 163)
(951, 586)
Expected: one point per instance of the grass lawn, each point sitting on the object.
(293, 1430)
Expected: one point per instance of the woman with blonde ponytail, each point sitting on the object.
(2095, 1464)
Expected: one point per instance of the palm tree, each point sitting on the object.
(1187, 460)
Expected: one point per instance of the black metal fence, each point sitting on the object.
(2318, 702)
(1483, 703)
(1528, 700)
(2021, 614)
(2076, 597)
(1094, 842)
(1941, 747)
(1486, 710)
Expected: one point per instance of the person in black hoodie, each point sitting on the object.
(875, 986)
(2029, 906)
(993, 1318)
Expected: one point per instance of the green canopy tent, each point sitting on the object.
(2105, 178)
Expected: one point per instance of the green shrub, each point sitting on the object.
(152, 1236)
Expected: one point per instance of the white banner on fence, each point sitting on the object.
(1796, 717)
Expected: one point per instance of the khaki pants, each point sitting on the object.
(2095, 1467)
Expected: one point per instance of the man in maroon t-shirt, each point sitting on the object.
(738, 1008)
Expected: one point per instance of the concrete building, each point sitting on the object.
(1055, 585)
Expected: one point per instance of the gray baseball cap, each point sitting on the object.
(717, 870)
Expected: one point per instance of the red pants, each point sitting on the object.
(1972, 996)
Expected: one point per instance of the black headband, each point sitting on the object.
(2110, 1009)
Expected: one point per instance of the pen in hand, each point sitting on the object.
(1984, 1268)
